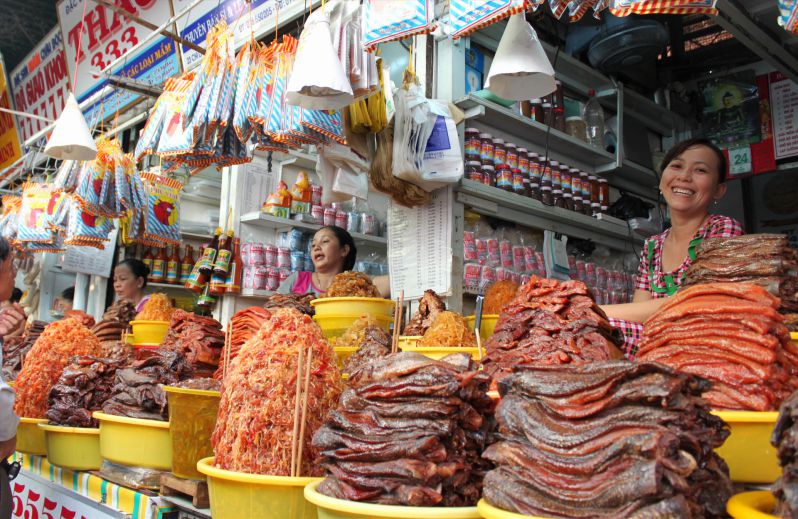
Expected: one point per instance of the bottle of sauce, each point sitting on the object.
(186, 264)
(158, 274)
(173, 267)
(208, 258)
(217, 285)
(233, 283)
(147, 258)
(197, 280)
(225, 252)
(205, 301)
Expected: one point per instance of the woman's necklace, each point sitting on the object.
(321, 286)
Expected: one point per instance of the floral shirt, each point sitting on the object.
(652, 278)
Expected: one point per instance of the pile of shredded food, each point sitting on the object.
(256, 413)
(157, 308)
(45, 363)
(448, 330)
(352, 284)
(499, 295)
(355, 334)
(368, 337)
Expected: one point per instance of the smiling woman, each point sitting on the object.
(693, 176)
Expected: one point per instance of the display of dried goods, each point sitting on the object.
(109, 331)
(448, 330)
(763, 259)
(785, 440)
(299, 302)
(157, 308)
(243, 326)
(499, 295)
(409, 431)
(368, 337)
(45, 362)
(82, 317)
(352, 284)
(731, 334)
(117, 350)
(200, 339)
(607, 439)
(204, 384)
(137, 391)
(121, 311)
(16, 348)
(255, 425)
(429, 306)
(550, 322)
(84, 386)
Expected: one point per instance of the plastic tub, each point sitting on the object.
(332, 508)
(794, 336)
(73, 448)
(747, 450)
(192, 418)
(335, 325)
(342, 353)
(408, 341)
(486, 327)
(30, 437)
(149, 332)
(752, 505)
(488, 511)
(237, 494)
(134, 442)
(353, 306)
(438, 352)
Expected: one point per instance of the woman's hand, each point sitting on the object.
(642, 307)
(12, 321)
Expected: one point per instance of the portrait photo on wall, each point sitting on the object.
(731, 110)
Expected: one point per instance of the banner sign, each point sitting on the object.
(107, 36)
(10, 150)
(784, 99)
(40, 84)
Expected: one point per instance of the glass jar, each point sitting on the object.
(546, 195)
(488, 175)
(548, 114)
(604, 192)
(512, 155)
(474, 171)
(577, 204)
(576, 182)
(587, 189)
(568, 201)
(519, 188)
(595, 209)
(534, 191)
(499, 152)
(486, 149)
(473, 144)
(556, 180)
(545, 172)
(537, 110)
(504, 177)
(535, 173)
(523, 161)
(594, 189)
(565, 179)
(557, 198)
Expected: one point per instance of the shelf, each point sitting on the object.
(153, 284)
(257, 294)
(271, 222)
(196, 236)
(511, 207)
(188, 197)
(299, 158)
(524, 130)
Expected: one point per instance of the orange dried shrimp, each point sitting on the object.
(352, 284)
(157, 308)
(45, 362)
(499, 295)
(448, 330)
(256, 413)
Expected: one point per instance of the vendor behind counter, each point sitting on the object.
(693, 180)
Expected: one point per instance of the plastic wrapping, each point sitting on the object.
(396, 20)
(133, 477)
(466, 16)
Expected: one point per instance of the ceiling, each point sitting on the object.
(21, 31)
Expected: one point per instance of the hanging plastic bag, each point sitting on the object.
(414, 123)
(443, 161)
(389, 20)
(467, 16)
(349, 183)
(318, 80)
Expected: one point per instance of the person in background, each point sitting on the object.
(63, 303)
(130, 279)
(333, 251)
(14, 314)
(693, 175)
(16, 297)
(9, 320)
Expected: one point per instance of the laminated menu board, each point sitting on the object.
(784, 100)
(420, 246)
(89, 260)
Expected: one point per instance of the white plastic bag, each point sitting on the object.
(351, 183)
(443, 161)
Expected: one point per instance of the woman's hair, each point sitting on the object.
(68, 294)
(16, 295)
(344, 238)
(5, 249)
(681, 147)
(138, 268)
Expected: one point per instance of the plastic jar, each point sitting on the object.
(504, 177)
(587, 189)
(557, 198)
(577, 204)
(512, 155)
(604, 192)
(499, 152)
(519, 187)
(565, 179)
(568, 201)
(488, 175)
(486, 147)
(546, 195)
(556, 179)
(594, 189)
(523, 161)
(474, 171)
(473, 143)
(535, 173)
(545, 172)
(534, 191)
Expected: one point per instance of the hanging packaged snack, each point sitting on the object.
(301, 194)
(66, 178)
(318, 80)
(396, 20)
(162, 218)
(245, 104)
(788, 15)
(466, 16)
(279, 203)
(680, 7)
(87, 229)
(39, 204)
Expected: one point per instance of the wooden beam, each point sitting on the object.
(150, 26)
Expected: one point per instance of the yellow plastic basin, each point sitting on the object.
(353, 306)
(74, 448)
(342, 353)
(488, 511)
(30, 437)
(752, 505)
(335, 325)
(192, 418)
(486, 327)
(149, 332)
(332, 508)
(439, 352)
(747, 450)
(236, 495)
(408, 341)
(134, 442)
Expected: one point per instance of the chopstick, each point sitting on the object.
(295, 432)
(304, 412)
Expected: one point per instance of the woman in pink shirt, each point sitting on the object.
(333, 251)
(130, 278)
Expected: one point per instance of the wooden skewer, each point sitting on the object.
(227, 347)
(396, 329)
(401, 314)
(304, 412)
(295, 432)
(479, 344)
